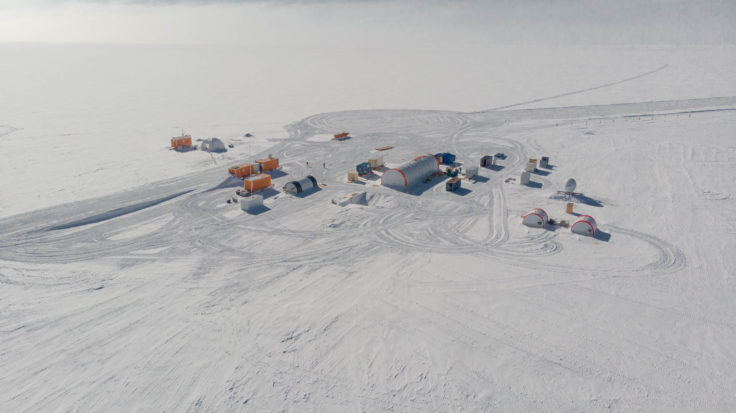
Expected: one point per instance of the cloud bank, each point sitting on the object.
(349, 23)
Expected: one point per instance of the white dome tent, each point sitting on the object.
(536, 218)
(217, 145)
(411, 173)
(585, 225)
(302, 185)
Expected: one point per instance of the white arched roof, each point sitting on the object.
(537, 217)
(411, 173)
(585, 225)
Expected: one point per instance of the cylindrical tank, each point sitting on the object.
(302, 185)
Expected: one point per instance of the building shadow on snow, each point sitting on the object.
(495, 167)
(229, 182)
(480, 179)
(602, 235)
(269, 192)
(540, 172)
(183, 150)
(588, 201)
(258, 210)
(462, 191)
(276, 173)
(534, 184)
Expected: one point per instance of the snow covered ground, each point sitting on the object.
(164, 297)
(93, 120)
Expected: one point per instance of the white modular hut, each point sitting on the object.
(251, 203)
(536, 218)
(376, 162)
(302, 185)
(585, 225)
(525, 178)
(411, 173)
(471, 172)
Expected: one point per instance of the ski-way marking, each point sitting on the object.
(618, 82)
(115, 213)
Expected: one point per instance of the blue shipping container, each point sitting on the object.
(446, 158)
(363, 168)
(452, 185)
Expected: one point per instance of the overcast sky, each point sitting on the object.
(354, 23)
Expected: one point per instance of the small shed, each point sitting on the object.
(257, 183)
(531, 166)
(446, 158)
(544, 162)
(363, 168)
(471, 172)
(536, 218)
(376, 162)
(302, 185)
(585, 225)
(525, 178)
(487, 161)
(452, 185)
(251, 203)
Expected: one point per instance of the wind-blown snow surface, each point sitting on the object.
(163, 297)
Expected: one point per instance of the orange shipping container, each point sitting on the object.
(258, 182)
(268, 164)
(241, 171)
(341, 135)
(181, 142)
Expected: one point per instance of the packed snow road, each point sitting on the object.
(167, 298)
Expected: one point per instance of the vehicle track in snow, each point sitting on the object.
(443, 226)
(302, 305)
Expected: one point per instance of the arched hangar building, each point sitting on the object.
(411, 173)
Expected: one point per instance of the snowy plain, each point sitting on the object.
(127, 283)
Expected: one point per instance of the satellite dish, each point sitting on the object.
(570, 185)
